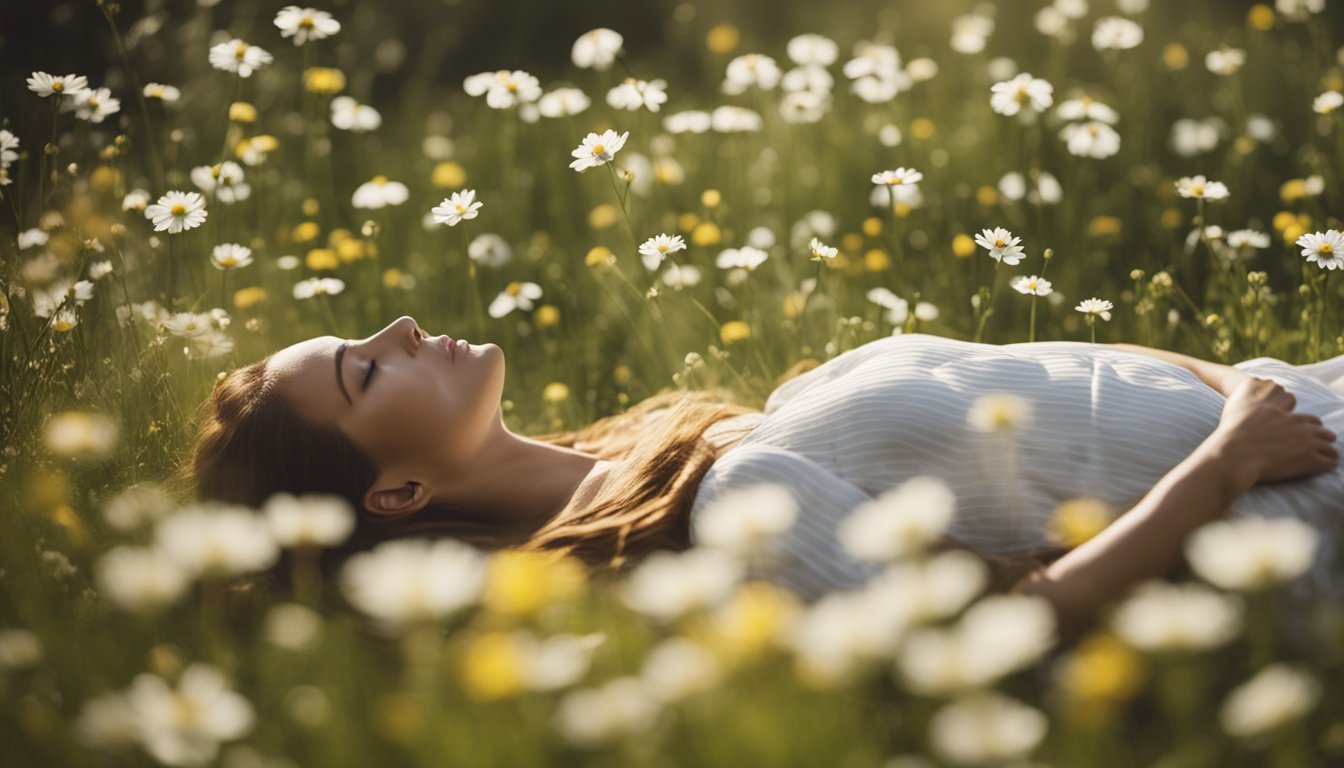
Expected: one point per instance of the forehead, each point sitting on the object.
(306, 373)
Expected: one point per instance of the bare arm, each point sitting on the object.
(1222, 378)
(1258, 439)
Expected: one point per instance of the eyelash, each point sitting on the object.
(372, 365)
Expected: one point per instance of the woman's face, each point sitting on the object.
(406, 398)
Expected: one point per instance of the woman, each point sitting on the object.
(408, 427)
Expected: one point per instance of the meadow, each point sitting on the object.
(705, 210)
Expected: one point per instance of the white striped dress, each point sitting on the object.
(1104, 423)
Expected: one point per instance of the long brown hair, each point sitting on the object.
(252, 443)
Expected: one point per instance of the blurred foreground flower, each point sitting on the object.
(310, 520)
(1277, 695)
(999, 412)
(619, 708)
(140, 579)
(80, 435)
(1162, 617)
(1252, 553)
(996, 636)
(1009, 96)
(217, 540)
(899, 522)
(597, 150)
(668, 585)
(743, 520)
(986, 728)
(408, 580)
(185, 726)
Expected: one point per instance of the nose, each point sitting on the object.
(403, 330)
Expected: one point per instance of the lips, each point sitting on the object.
(449, 346)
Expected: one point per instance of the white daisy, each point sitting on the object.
(563, 102)
(899, 522)
(822, 252)
(413, 580)
(177, 211)
(309, 521)
(217, 540)
(746, 257)
(751, 69)
(461, 206)
(490, 250)
(185, 726)
(1251, 553)
(165, 93)
(597, 150)
(1277, 695)
(633, 94)
(1116, 33)
(45, 85)
(135, 200)
(516, 295)
(1009, 96)
(1325, 249)
(512, 89)
(986, 728)
(744, 519)
(1225, 61)
(1200, 187)
(380, 193)
(1096, 307)
(140, 579)
(731, 118)
(898, 178)
(304, 24)
(32, 237)
(1247, 238)
(230, 256)
(690, 121)
(318, 286)
(226, 180)
(1086, 108)
(8, 143)
(349, 115)
(1001, 244)
(596, 49)
(237, 56)
(1327, 102)
(1091, 139)
(1032, 285)
(659, 247)
(812, 50)
(93, 105)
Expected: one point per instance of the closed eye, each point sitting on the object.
(365, 384)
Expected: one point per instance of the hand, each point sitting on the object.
(1262, 440)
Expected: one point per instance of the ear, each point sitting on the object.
(388, 498)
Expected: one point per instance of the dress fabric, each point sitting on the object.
(1104, 423)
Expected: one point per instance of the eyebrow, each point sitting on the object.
(340, 382)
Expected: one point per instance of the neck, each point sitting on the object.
(523, 483)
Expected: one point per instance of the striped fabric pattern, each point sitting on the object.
(1102, 422)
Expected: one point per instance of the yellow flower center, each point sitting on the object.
(662, 248)
(1327, 248)
(1021, 93)
(93, 101)
(1087, 101)
(178, 210)
(1092, 129)
(380, 180)
(513, 288)
(228, 261)
(1197, 189)
(999, 243)
(460, 207)
(306, 22)
(513, 86)
(894, 182)
(240, 51)
(58, 86)
(599, 149)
